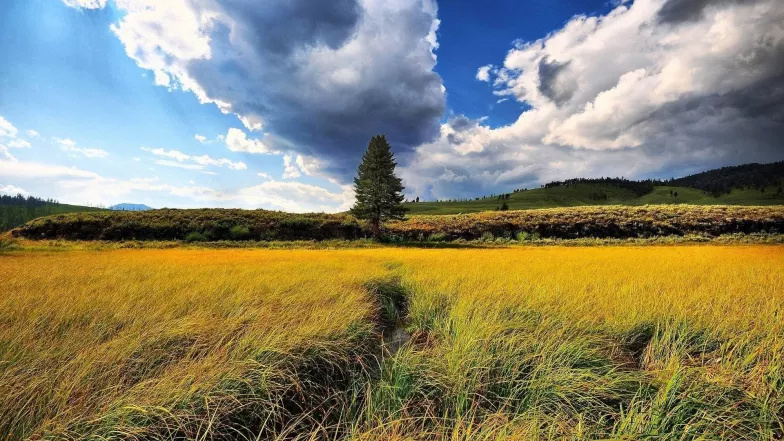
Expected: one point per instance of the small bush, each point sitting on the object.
(437, 237)
(195, 236)
(522, 236)
(6, 243)
(487, 236)
(535, 236)
(240, 232)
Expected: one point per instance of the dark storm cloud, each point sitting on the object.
(326, 106)
(281, 26)
(743, 126)
(679, 11)
(548, 77)
(461, 122)
(318, 77)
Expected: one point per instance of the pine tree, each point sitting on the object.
(378, 191)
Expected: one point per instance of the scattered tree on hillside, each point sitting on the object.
(378, 191)
(724, 180)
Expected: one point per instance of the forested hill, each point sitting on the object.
(724, 180)
(750, 184)
(16, 210)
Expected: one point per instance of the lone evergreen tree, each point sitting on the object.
(379, 192)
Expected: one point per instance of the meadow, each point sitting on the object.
(586, 194)
(656, 342)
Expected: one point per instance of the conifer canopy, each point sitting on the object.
(379, 191)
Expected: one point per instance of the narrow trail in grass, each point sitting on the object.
(392, 320)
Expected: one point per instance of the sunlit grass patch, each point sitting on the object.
(663, 342)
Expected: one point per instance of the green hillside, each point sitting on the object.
(747, 184)
(586, 194)
(17, 210)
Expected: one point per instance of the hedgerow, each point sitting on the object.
(556, 223)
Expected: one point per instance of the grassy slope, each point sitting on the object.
(12, 216)
(581, 195)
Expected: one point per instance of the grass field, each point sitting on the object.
(674, 342)
(582, 195)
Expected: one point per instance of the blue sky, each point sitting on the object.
(102, 101)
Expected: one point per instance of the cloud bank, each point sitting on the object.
(654, 87)
(318, 77)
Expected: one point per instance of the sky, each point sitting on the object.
(240, 103)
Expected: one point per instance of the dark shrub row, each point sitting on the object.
(564, 223)
(597, 221)
(194, 225)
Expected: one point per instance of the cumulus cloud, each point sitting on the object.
(33, 134)
(18, 144)
(237, 141)
(85, 4)
(79, 186)
(319, 77)
(12, 190)
(655, 88)
(483, 73)
(7, 130)
(290, 170)
(69, 145)
(191, 162)
(4, 153)
(201, 138)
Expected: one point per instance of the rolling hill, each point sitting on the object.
(17, 210)
(750, 184)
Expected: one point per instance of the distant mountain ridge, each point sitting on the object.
(130, 207)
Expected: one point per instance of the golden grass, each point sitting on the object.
(678, 342)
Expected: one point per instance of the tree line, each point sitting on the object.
(760, 177)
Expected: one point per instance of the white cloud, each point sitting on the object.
(264, 175)
(197, 162)
(85, 4)
(18, 144)
(626, 94)
(33, 134)
(175, 164)
(483, 73)
(201, 138)
(83, 187)
(290, 170)
(4, 153)
(12, 190)
(308, 164)
(7, 129)
(35, 170)
(68, 145)
(295, 197)
(237, 141)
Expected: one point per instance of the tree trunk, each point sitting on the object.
(376, 228)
